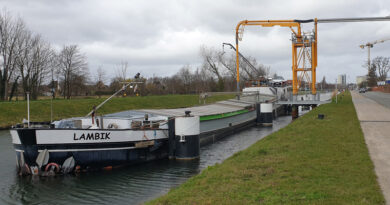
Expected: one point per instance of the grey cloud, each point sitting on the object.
(161, 36)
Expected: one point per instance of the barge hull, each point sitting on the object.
(90, 150)
(225, 127)
(96, 157)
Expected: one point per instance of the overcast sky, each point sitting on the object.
(159, 37)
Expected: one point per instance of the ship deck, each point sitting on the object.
(219, 107)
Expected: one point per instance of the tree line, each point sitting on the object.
(217, 73)
(30, 64)
(28, 61)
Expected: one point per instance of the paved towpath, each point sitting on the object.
(375, 122)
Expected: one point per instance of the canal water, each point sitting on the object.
(128, 185)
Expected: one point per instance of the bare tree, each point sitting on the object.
(229, 63)
(211, 63)
(185, 75)
(100, 75)
(23, 56)
(100, 78)
(382, 66)
(121, 71)
(10, 31)
(155, 85)
(249, 68)
(34, 62)
(73, 65)
(202, 80)
(79, 83)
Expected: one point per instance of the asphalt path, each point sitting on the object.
(379, 97)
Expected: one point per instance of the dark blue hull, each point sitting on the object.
(96, 156)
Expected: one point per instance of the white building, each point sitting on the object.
(360, 79)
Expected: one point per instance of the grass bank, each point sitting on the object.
(310, 161)
(13, 112)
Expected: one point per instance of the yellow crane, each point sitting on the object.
(304, 46)
(304, 49)
(369, 45)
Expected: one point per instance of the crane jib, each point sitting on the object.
(339, 20)
(304, 21)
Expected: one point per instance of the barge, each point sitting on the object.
(130, 137)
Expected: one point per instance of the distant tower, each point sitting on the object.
(342, 80)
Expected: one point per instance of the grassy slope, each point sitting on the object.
(310, 161)
(13, 112)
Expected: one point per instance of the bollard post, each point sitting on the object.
(187, 142)
(266, 114)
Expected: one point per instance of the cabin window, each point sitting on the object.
(66, 124)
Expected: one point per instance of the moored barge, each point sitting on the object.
(130, 137)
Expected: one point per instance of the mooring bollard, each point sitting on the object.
(266, 114)
(187, 130)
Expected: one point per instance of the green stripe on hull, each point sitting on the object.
(223, 115)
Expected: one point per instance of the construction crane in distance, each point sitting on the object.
(369, 45)
(304, 45)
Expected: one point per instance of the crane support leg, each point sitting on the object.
(294, 70)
